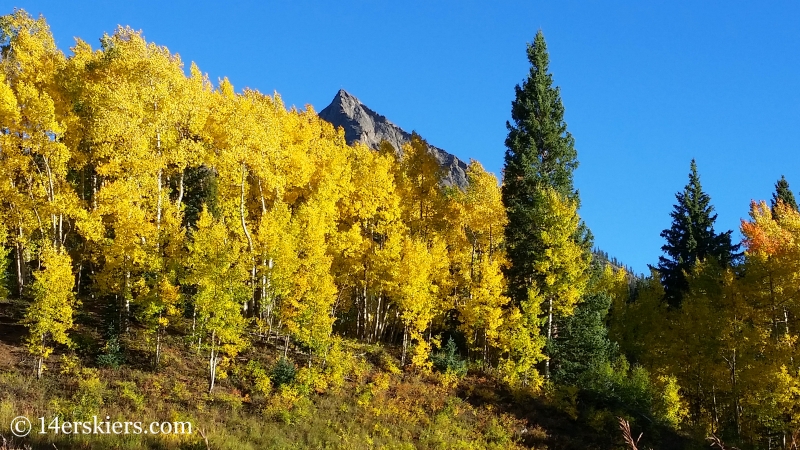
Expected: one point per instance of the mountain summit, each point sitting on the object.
(364, 125)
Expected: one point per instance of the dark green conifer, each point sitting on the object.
(582, 343)
(783, 193)
(540, 153)
(690, 239)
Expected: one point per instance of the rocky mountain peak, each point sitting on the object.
(364, 125)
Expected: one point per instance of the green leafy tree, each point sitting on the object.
(691, 239)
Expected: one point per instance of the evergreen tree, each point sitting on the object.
(583, 342)
(691, 239)
(540, 155)
(783, 193)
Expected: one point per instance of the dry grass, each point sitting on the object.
(625, 427)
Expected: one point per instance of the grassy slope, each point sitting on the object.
(360, 401)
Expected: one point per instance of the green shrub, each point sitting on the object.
(88, 399)
(448, 361)
(259, 378)
(283, 372)
(130, 395)
(112, 355)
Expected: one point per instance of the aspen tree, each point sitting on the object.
(563, 265)
(49, 317)
(417, 295)
(483, 218)
(219, 274)
(420, 182)
(35, 159)
(369, 217)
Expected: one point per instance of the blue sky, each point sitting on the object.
(647, 86)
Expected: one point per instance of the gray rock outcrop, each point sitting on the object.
(364, 125)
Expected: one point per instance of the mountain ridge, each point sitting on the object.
(362, 124)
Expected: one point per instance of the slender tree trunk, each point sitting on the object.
(61, 230)
(94, 192)
(158, 343)
(180, 189)
(51, 200)
(212, 363)
(786, 319)
(364, 332)
(127, 297)
(736, 396)
(249, 238)
(158, 199)
(405, 347)
(20, 255)
(549, 334)
(377, 321)
(384, 320)
(40, 362)
(358, 314)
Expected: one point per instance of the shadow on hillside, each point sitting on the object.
(562, 431)
(11, 331)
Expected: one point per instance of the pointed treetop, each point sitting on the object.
(784, 194)
(540, 160)
(691, 238)
(540, 152)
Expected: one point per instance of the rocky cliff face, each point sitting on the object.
(370, 128)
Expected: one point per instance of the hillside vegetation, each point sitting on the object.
(174, 250)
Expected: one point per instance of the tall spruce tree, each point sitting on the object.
(691, 239)
(540, 154)
(783, 193)
(583, 342)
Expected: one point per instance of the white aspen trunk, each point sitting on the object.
(485, 350)
(180, 190)
(158, 342)
(382, 331)
(491, 241)
(51, 200)
(158, 199)
(549, 335)
(786, 319)
(20, 253)
(364, 336)
(377, 320)
(94, 192)
(40, 365)
(61, 229)
(127, 294)
(405, 346)
(247, 235)
(212, 364)
(358, 315)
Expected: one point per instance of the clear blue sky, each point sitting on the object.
(647, 86)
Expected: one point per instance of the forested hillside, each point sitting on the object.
(175, 249)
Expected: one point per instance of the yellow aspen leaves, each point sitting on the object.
(49, 317)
